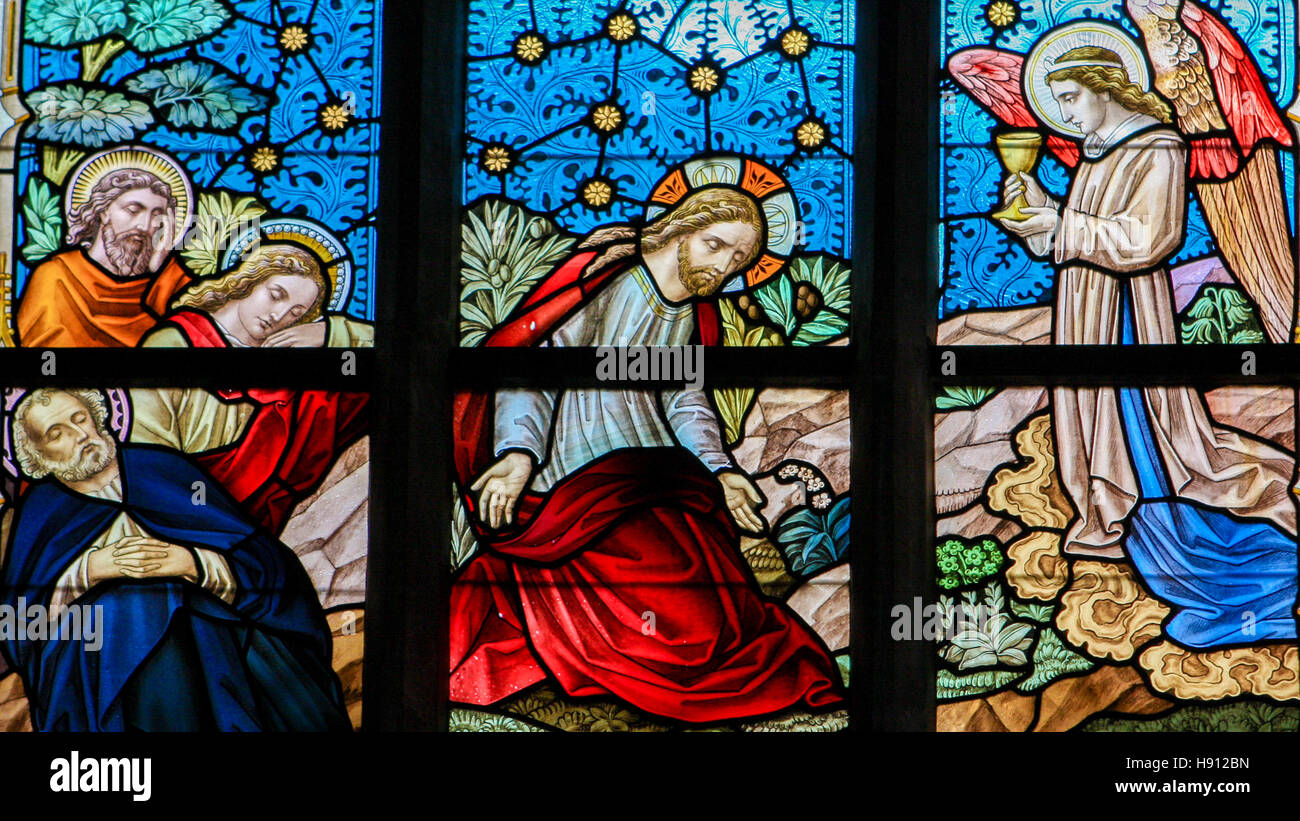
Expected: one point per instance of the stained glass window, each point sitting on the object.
(207, 549)
(1224, 217)
(1117, 550)
(233, 124)
(658, 181)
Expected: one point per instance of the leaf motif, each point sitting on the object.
(161, 25)
(824, 328)
(777, 299)
(42, 221)
(75, 114)
(197, 94)
(218, 219)
(63, 23)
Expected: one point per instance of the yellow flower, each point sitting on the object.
(795, 43)
(293, 38)
(621, 28)
(810, 134)
(1002, 14)
(529, 48)
(264, 159)
(334, 117)
(496, 159)
(607, 117)
(597, 193)
(704, 78)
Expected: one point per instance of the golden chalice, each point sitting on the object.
(1019, 151)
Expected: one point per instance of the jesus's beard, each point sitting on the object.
(699, 280)
(90, 462)
(129, 252)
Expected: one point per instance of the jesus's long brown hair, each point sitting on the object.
(708, 206)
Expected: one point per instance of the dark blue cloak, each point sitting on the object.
(173, 656)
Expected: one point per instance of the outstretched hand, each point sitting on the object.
(501, 485)
(743, 500)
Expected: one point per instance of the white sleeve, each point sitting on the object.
(695, 426)
(214, 574)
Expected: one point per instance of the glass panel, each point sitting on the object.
(1115, 558)
(214, 539)
(608, 140)
(150, 147)
(1175, 172)
(623, 591)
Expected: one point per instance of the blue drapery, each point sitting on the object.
(1227, 580)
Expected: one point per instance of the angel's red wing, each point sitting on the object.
(992, 78)
(1241, 93)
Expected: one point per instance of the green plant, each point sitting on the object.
(963, 398)
(1052, 659)
(42, 220)
(504, 252)
(952, 686)
(734, 404)
(982, 634)
(1221, 315)
(813, 540)
(961, 563)
(220, 214)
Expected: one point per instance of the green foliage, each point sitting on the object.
(829, 278)
(1041, 613)
(504, 252)
(1221, 315)
(149, 25)
(951, 685)
(220, 215)
(962, 563)
(814, 540)
(475, 721)
(42, 220)
(463, 543)
(734, 404)
(983, 635)
(777, 299)
(74, 114)
(197, 94)
(1233, 717)
(963, 398)
(161, 25)
(72, 22)
(781, 304)
(1052, 659)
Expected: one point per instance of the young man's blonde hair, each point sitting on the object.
(1110, 79)
(266, 262)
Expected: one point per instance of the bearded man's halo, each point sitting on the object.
(135, 158)
(775, 198)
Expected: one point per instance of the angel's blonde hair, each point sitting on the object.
(1110, 79)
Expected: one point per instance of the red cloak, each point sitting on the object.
(626, 579)
(292, 439)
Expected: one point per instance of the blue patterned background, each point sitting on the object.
(537, 110)
(981, 266)
(330, 179)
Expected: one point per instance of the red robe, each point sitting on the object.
(292, 439)
(625, 580)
